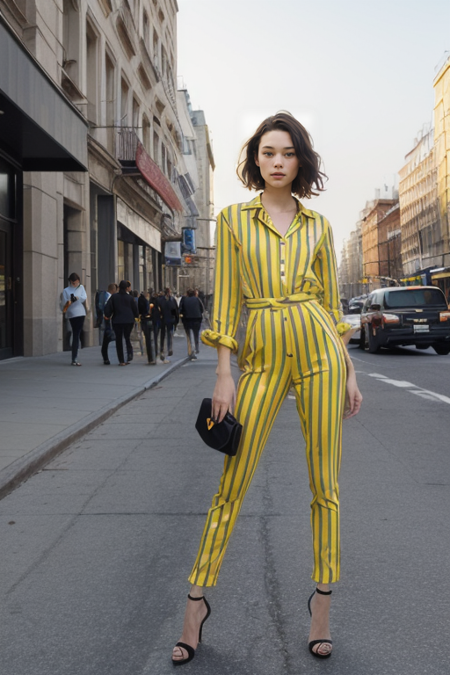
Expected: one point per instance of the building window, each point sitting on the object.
(155, 147)
(146, 30)
(91, 73)
(156, 49)
(125, 89)
(110, 74)
(163, 157)
(135, 115)
(146, 133)
(71, 40)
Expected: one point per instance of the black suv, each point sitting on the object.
(411, 315)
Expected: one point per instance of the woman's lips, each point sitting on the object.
(277, 175)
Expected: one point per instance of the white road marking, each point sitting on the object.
(413, 388)
(398, 383)
(424, 394)
(439, 397)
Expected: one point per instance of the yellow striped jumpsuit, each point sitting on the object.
(289, 285)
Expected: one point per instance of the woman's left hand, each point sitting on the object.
(353, 397)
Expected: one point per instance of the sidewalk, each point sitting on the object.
(46, 404)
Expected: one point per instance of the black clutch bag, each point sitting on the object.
(224, 436)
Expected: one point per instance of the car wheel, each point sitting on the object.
(373, 342)
(362, 339)
(441, 349)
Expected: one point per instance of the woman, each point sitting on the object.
(122, 308)
(73, 298)
(277, 257)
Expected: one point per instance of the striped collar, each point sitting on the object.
(260, 212)
(256, 203)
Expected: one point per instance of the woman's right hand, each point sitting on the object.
(224, 397)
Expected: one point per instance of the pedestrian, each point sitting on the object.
(108, 333)
(191, 312)
(146, 325)
(138, 334)
(155, 314)
(169, 320)
(277, 257)
(123, 311)
(73, 305)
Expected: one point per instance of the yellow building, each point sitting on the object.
(422, 239)
(442, 148)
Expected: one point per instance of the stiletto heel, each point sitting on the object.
(313, 643)
(190, 650)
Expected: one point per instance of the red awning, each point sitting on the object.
(156, 179)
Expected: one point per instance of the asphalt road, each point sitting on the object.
(95, 549)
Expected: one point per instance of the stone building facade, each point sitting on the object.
(380, 223)
(422, 238)
(198, 263)
(351, 267)
(107, 206)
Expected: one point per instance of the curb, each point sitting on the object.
(24, 467)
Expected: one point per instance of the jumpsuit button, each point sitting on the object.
(289, 355)
(285, 318)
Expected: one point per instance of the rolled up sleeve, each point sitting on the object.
(227, 290)
(326, 270)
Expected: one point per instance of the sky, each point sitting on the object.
(358, 74)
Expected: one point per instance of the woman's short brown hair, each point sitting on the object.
(309, 175)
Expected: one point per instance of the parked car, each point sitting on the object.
(412, 315)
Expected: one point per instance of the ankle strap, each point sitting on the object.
(323, 592)
(200, 597)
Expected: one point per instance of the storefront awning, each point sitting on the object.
(39, 127)
(153, 175)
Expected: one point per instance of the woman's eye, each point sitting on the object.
(290, 154)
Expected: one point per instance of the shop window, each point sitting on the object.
(142, 280)
(7, 191)
(149, 262)
(120, 260)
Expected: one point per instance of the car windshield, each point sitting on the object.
(417, 297)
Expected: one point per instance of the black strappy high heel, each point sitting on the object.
(190, 650)
(313, 643)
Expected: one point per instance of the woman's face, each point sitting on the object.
(75, 283)
(277, 159)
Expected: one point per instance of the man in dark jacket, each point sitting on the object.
(122, 308)
(146, 324)
(191, 311)
(169, 319)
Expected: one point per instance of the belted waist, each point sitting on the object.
(279, 303)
